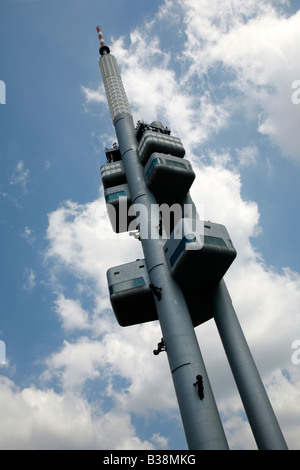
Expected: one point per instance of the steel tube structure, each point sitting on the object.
(262, 419)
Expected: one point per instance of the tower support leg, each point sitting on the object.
(262, 419)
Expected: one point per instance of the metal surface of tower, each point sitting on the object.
(180, 280)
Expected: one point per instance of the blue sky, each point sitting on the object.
(220, 75)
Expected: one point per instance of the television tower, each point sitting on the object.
(180, 280)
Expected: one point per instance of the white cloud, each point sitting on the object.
(71, 313)
(261, 49)
(279, 388)
(80, 238)
(20, 176)
(196, 117)
(219, 190)
(76, 362)
(247, 156)
(117, 355)
(115, 352)
(160, 441)
(48, 420)
(75, 245)
(29, 283)
(94, 96)
(60, 421)
(28, 235)
(254, 47)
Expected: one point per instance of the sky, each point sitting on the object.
(225, 77)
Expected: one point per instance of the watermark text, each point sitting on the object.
(2, 352)
(296, 353)
(2, 92)
(296, 93)
(159, 221)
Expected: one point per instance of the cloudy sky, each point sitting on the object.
(225, 77)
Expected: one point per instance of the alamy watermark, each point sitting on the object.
(2, 92)
(159, 221)
(296, 353)
(296, 94)
(2, 352)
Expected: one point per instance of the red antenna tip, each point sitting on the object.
(103, 48)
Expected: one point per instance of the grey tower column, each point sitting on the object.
(262, 419)
(201, 420)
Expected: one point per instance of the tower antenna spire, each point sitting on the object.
(103, 48)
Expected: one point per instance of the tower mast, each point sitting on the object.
(180, 281)
(201, 420)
